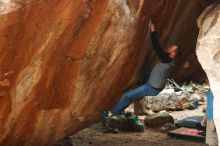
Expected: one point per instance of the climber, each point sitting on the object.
(157, 78)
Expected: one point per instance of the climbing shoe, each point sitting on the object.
(103, 114)
(135, 123)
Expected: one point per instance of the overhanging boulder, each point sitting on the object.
(61, 61)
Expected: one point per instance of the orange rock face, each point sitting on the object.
(61, 61)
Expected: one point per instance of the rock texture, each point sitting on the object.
(158, 119)
(61, 61)
(170, 100)
(208, 52)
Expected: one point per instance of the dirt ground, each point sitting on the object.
(150, 137)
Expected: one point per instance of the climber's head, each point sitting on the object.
(172, 51)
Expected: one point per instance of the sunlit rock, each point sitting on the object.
(208, 52)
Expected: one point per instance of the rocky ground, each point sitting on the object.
(150, 137)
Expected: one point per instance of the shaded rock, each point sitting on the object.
(193, 104)
(158, 119)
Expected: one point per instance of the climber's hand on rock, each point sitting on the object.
(151, 26)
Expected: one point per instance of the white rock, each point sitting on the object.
(208, 52)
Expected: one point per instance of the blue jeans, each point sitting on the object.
(134, 94)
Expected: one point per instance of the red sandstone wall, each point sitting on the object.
(63, 60)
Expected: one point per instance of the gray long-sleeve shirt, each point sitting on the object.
(161, 70)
